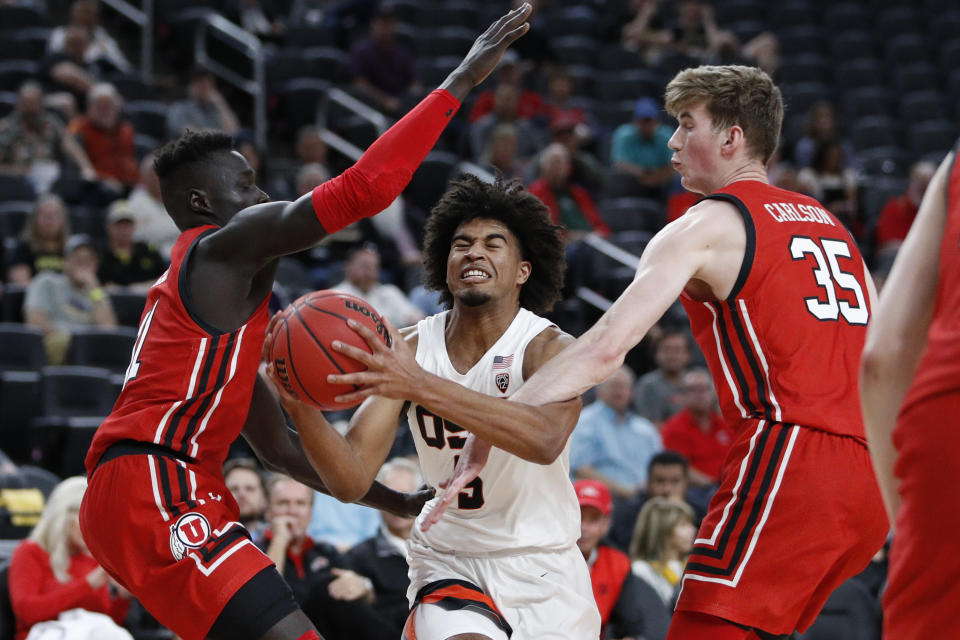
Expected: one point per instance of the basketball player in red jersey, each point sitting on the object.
(910, 389)
(157, 515)
(779, 300)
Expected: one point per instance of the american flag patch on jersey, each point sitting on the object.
(502, 362)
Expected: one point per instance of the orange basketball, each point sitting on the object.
(302, 338)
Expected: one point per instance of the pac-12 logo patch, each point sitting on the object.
(191, 531)
(503, 381)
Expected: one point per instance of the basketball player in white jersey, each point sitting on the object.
(503, 562)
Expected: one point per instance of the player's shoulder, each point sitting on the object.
(411, 336)
(544, 346)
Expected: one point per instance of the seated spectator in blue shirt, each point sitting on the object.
(611, 443)
(639, 149)
(341, 524)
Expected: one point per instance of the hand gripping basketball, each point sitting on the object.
(391, 371)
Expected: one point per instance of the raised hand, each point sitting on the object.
(486, 51)
(472, 460)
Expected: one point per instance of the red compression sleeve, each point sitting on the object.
(379, 176)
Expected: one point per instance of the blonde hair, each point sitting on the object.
(732, 95)
(52, 532)
(31, 232)
(656, 521)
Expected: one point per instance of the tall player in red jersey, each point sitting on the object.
(157, 515)
(779, 300)
(910, 389)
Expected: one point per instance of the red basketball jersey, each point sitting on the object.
(939, 368)
(785, 345)
(188, 386)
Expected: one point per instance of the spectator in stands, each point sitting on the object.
(659, 393)
(626, 611)
(363, 280)
(586, 170)
(668, 476)
(834, 183)
(557, 101)
(821, 128)
(698, 430)
(695, 32)
(639, 149)
(245, 482)
(662, 540)
(501, 152)
(309, 176)
(505, 111)
(570, 204)
(529, 104)
(383, 558)
(152, 223)
(645, 30)
(310, 146)
(33, 143)
(611, 443)
(898, 214)
(106, 139)
(51, 572)
(203, 108)
(59, 303)
(383, 68)
(41, 244)
(125, 262)
(341, 524)
(102, 48)
(69, 72)
(334, 598)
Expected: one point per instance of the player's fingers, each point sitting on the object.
(510, 21)
(357, 379)
(355, 397)
(367, 334)
(353, 352)
(511, 36)
(393, 334)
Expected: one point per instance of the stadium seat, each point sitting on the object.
(128, 307)
(584, 80)
(144, 145)
(919, 106)
(746, 30)
(19, 406)
(326, 63)
(628, 85)
(13, 215)
(74, 391)
(632, 214)
(433, 71)
(14, 187)
(801, 39)
(105, 348)
(808, 67)
(867, 101)
(851, 45)
(298, 100)
(949, 56)
(732, 11)
(883, 161)
(11, 305)
(21, 347)
(571, 21)
(356, 130)
(953, 85)
(615, 58)
(447, 41)
(148, 117)
(919, 76)
(21, 16)
(790, 15)
(930, 138)
(893, 21)
(303, 36)
(447, 14)
(13, 73)
(871, 132)
(945, 26)
(907, 48)
(844, 16)
(133, 87)
(575, 50)
(8, 101)
(798, 98)
(863, 72)
(430, 180)
(850, 613)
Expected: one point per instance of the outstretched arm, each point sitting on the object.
(280, 450)
(537, 434)
(898, 332)
(675, 255)
(264, 232)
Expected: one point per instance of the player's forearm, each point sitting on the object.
(537, 434)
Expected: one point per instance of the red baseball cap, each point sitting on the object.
(593, 493)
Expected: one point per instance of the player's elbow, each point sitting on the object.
(881, 357)
(347, 492)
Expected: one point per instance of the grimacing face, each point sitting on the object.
(484, 262)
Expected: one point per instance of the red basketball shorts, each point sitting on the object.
(798, 512)
(168, 531)
(923, 588)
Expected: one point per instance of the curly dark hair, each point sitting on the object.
(188, 149)
(541, 241)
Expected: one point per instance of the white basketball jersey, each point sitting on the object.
(515, 505)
